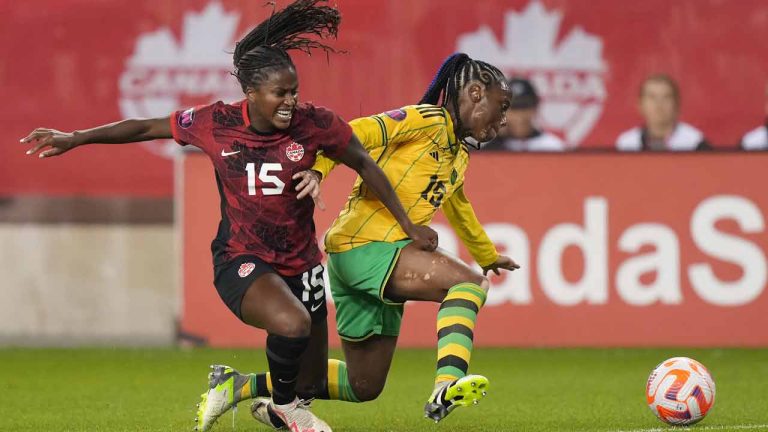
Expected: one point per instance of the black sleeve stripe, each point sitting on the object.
(431, 112)
(433, 115)
(429, 108)
(383, 128)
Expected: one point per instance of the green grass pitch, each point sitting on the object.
(531, 390)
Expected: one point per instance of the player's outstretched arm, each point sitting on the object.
(126, 131)
(462, 217)
(357, 158)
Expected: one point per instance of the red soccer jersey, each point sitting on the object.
(260, 214)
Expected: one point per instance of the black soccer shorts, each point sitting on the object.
(233, 278)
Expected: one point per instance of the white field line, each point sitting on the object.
(697, 429)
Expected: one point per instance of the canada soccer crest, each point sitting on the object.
(246, 269)
(295, 152)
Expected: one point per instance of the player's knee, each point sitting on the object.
(485, 284)
(365, 389)
(291, 323)
(479, 280)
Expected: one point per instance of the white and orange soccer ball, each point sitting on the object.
(680, 391)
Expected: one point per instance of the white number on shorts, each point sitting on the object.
(277, 184)
(316, 281)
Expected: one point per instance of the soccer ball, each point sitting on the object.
(680, 391)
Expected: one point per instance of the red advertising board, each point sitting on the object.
(71, 64)
(616, 250)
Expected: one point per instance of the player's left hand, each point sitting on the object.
(502, 262)
(423, 237)
(309, 185)
(59, 142)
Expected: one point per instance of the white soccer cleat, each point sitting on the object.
(260, 411)
(297, 417)
(265, 414)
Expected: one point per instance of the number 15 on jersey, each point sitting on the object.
(270, 184)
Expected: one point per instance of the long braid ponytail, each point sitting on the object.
(266, 46)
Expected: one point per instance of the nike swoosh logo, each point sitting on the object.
(316, 307)
(225, 154)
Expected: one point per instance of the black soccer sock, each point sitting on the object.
(283, 355)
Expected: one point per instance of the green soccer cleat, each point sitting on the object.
(464, 391)
(219, 398)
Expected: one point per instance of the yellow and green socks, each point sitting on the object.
(338, 386)
(455, 329)
(258, 385)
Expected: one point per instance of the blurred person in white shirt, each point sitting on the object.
(521, 132)
(757, 139)
(663, 131)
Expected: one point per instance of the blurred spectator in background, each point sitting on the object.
(660, 106)
(521, 132)
(757, 139)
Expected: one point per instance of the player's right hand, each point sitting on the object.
(59, 142)
(309, 185)
(424, 237)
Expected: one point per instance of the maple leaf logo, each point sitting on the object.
(164, 74)
(569, 74)
(295, 152)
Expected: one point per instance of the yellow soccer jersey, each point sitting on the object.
(417, 149)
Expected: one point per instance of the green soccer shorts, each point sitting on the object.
(358, 277)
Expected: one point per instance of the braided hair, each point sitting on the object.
(265, 48)
(454, 74)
